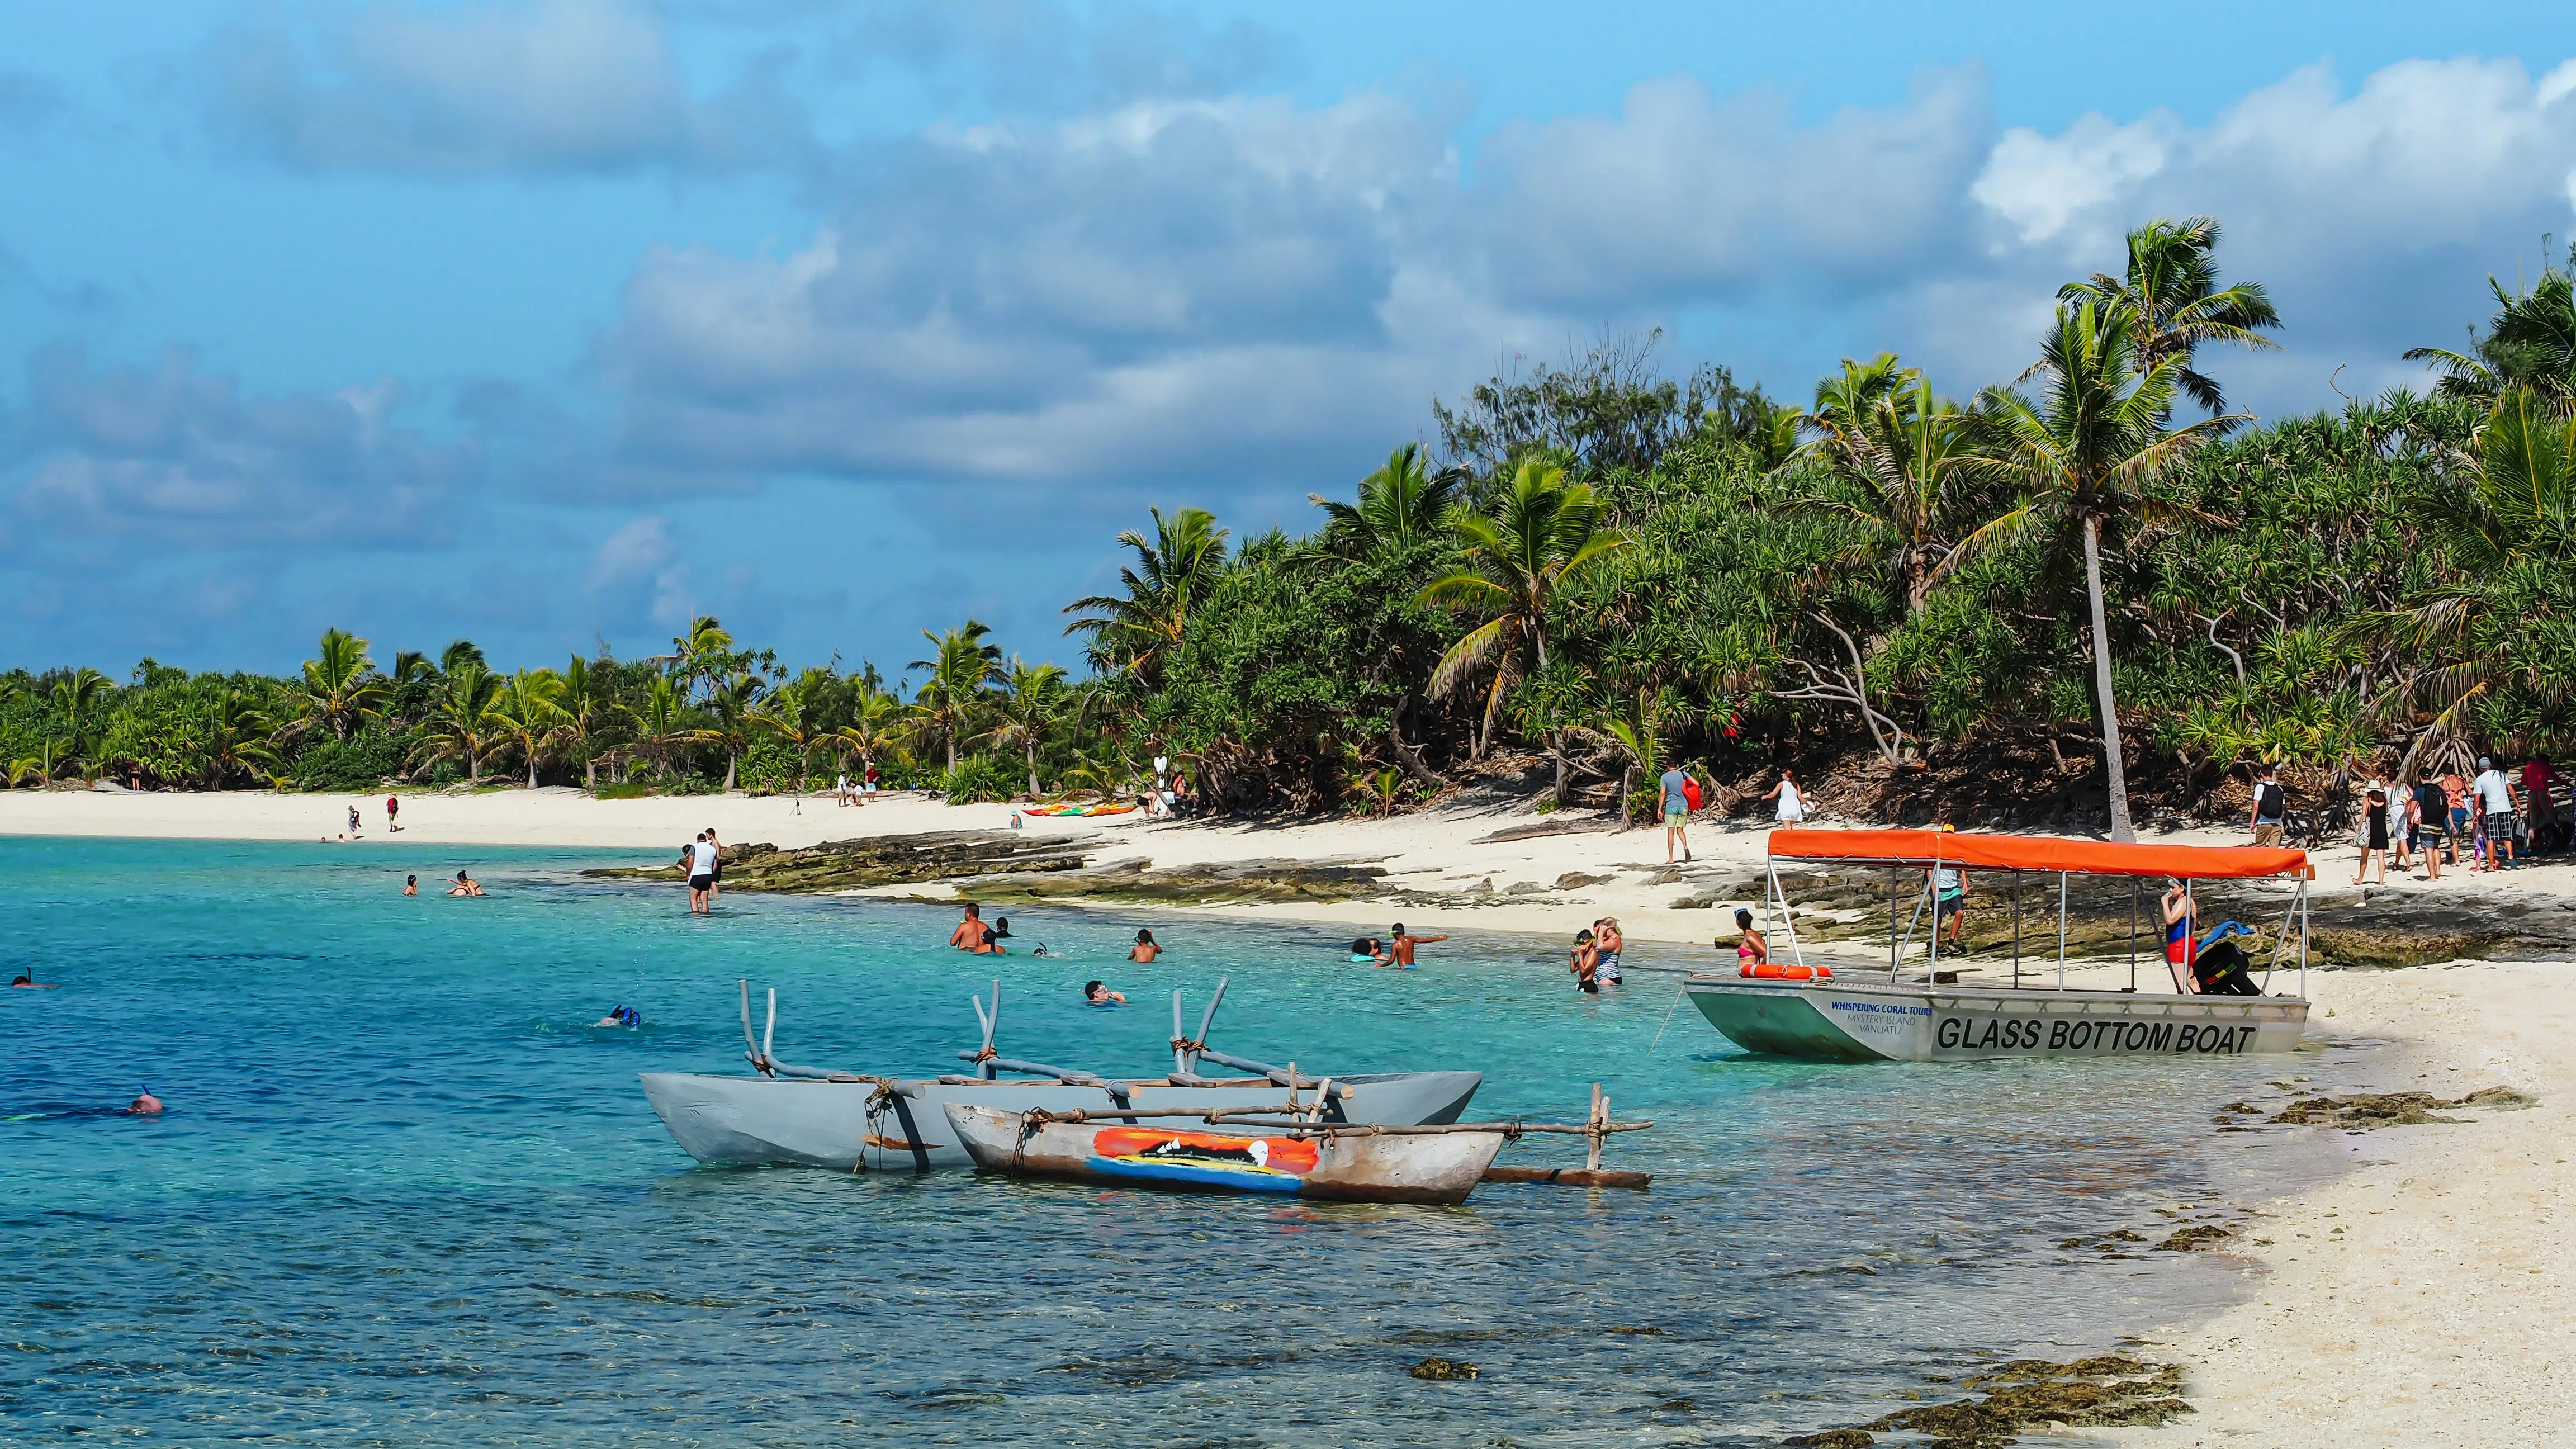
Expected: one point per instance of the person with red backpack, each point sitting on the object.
(1677, 790)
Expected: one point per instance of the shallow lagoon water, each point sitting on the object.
(405, 1195)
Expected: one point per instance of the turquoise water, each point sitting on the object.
(405, 1195)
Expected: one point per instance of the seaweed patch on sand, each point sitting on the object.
(2364, 1111)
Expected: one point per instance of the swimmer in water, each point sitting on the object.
(411, 885)
(465, 885)
(621, 1016)
(26, 981)
(145, 1104)
(1145, 949)
(1098, 994)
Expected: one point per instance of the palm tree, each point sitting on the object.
(1173, 573)
(2082, 454)
(2171, 289)
(1901, 456)
(2530, 343)
(792, 715)
(234, 732)
(664, 721)
(1031, 700)
(960, 667)
(76, 702)
(530, 715)
(588, 703)
(875, 718)
(340, 687)
(462, 721)
(2507, 513)
(1400, 505)
(1542, 530)
(702, 654)
(457, 654)
(731, 701)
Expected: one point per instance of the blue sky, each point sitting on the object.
(554, 322)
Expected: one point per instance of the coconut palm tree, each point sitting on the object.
(792, 715)
(2171, 289)
(874, 730)
(78, 702)
(2506, 510)
(2530, 343)
(530, 714)
(1032, 698)
(340, 687)
(462, 723)
(2081, 454)
(664, 722)
(960, 666)
(1400, 505)
(234, 733)
(730, 701)
(1173, 573)
(589, 705)
(457, 654)
(1541, 531)
(1902, 459)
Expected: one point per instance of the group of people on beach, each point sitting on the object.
(1682, 796)
(2503, 818)
(847, 792)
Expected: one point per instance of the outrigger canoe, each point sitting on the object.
(1352, 1164)
(792, 1116)
(1102, 809)
(1917, 1011)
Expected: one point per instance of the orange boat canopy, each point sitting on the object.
(2037, 852)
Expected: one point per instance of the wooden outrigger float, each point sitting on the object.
(1940, 1013)
(1290, 1150)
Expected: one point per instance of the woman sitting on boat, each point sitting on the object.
(1750, 948)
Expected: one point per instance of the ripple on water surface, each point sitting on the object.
(406, 1195)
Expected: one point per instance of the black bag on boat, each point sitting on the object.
(2221, 971)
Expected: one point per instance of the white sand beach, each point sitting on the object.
(2414, 1301)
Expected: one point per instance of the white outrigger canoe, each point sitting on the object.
(1914, 1010)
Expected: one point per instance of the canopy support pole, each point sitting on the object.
(1932, 888)
(2135, 886)
(1895, 947)
(2016, 930)
(2061, 930)
(1787, 923)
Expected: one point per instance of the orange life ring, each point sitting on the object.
(1776, 971)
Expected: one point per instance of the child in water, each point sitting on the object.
(1095, 993)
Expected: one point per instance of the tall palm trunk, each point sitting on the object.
(952, 752)
(473, 768)
(2121, 829)
(1033, 767)
(532, 769)
(731, 759)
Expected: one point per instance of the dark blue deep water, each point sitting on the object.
(406, 1195)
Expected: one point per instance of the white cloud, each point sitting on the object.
(637, 573)
(2041, 183)
(557, 85)
(172, 456)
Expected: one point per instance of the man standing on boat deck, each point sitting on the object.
(1676, 805)
(2271, 809)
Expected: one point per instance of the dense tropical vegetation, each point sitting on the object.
(2089, 581)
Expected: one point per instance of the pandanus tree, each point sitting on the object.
(2176, 305)
(235, 732)
(340, 688)
(1541, 530)
(1173, 573)
(1028, 705)
(950, 700)
(2081, 453)
(78, 702)
(1402, 505)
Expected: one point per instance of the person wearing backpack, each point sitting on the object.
(2271, 809)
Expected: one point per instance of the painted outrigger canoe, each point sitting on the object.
(1914, 1015)
(1347, 1166)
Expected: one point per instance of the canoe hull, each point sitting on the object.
(728, 1121)
(1437, 1168)
(1909, 1022)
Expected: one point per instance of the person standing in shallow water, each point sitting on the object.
(1399, 950)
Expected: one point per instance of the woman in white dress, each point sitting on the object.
(1793, 805)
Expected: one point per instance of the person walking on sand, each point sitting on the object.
(2431, 811)
(1676, 812)
(1400, 949)
(2495, 804)
(1793, 805)
(353, 822)
(393, 810)
(970, 929)
(2271, 809)
(2374, 834)
(2401, 829)
(2540, 812)
(1145, 949)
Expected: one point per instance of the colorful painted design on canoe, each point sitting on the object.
(1077, 809)
(1251, 1164)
